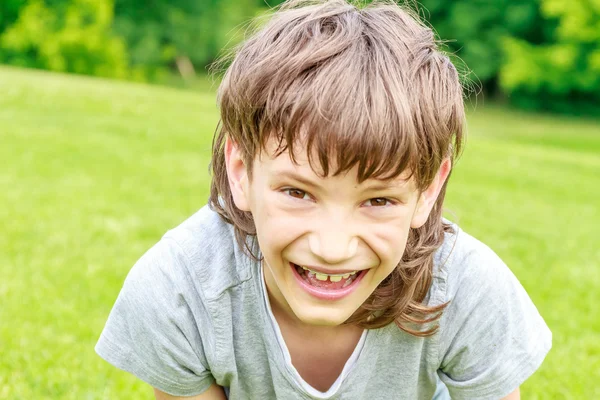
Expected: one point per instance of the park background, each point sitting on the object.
(106, 120)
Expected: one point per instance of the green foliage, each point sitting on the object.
(564, 74)
(156, 36)
(474, 30)
(9, 12)
(72, 36)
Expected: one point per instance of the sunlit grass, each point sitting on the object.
(93, 172)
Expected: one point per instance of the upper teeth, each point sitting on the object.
(332, 277)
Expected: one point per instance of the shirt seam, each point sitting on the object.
(443, 296)
(204, 300)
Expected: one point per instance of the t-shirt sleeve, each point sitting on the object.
(492, 337)
(158, 327)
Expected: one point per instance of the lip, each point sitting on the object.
(325, 294)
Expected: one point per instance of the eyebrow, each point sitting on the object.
(294, 176)
(377, 185)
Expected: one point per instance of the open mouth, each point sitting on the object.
(327, 286)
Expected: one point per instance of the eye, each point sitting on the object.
(296, 193)
(378, 202)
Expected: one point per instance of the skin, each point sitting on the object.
(214, 392)
(333, 224)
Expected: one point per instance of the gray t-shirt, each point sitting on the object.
(192, 311)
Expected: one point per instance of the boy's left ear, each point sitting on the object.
(428, 197)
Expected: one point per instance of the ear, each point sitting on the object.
(428, 197)
(237, 174)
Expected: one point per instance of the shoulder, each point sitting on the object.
(465, 263)
(163, 325)
(475, 282)
(188, 267)
(491, 336)
(205, 251)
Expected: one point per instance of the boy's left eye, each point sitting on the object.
(378, 202)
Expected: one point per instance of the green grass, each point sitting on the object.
(93, 172)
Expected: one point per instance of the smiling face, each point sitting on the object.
(327, 242)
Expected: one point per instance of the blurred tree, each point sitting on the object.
(563, 74)
(67, 36)
(119, 38)
(161, 32)
(9, 12)
(474, 30)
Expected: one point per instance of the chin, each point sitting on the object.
(323, 317)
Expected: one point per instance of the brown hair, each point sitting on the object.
(359, 86)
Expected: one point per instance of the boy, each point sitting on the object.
(322, 268)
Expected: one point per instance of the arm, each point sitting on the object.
(516, 395)
(214, 392)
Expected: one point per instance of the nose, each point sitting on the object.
(333, 242)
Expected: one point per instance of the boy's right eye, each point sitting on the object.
(296, 193)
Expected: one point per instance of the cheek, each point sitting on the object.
(276, 229)
(389, 241)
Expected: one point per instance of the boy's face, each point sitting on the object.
(327, 242)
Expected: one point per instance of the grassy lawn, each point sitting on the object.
(93, 172)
